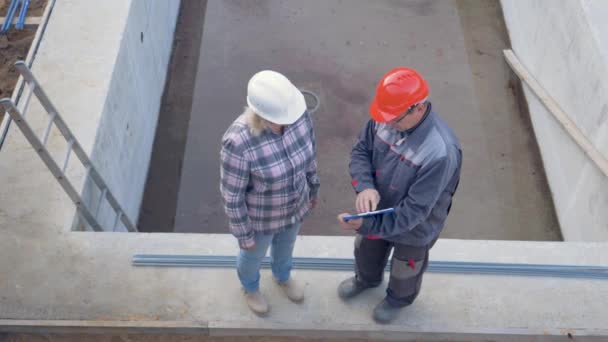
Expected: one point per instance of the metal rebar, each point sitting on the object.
(10, 15)
(24, 6)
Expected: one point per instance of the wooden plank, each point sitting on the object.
(564, 120)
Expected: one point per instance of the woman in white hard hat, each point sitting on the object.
(269, 181)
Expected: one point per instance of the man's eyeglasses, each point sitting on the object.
(407, 112)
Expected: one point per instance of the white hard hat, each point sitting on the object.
(273, 97)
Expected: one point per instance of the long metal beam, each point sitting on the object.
(337, 264)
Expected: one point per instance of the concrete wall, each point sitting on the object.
(124, 140)
(564, 44)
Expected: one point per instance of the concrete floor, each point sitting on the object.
(339, 50)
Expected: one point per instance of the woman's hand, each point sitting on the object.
(312, 204)
(350, 225)
(248, 248)
(247, 245)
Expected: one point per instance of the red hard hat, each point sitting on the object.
(397, 91)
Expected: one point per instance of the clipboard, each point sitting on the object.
(368, 214)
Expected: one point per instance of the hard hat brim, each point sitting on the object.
(295, 110)
(378, 115)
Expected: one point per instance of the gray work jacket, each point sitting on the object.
(416, 172)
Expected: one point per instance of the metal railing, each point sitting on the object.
(29, 60)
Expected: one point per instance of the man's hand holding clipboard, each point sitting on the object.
(351, 222)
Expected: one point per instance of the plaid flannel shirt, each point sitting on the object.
(267, 181)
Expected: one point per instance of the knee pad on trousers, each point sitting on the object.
(405, 276)
(404, 269)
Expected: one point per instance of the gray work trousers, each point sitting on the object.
(408, 265)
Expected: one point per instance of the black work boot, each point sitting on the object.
(385, 313)
(350, 287)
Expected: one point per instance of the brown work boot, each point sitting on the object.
(292, 290)
(257, 303)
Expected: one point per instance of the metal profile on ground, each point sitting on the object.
(337, 264)
(18, 115)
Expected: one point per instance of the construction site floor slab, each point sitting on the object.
(88, 278)
(339, 50)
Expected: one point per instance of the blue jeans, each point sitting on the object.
(249, 262)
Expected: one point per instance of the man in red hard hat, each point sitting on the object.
(408, 159)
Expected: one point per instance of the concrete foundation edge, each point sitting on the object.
(103, 327)
(69, 327)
